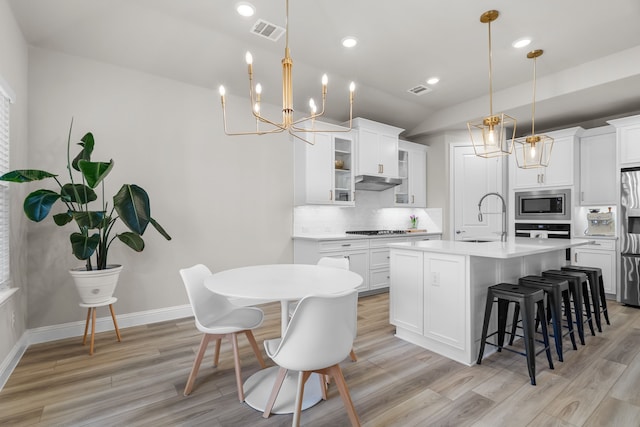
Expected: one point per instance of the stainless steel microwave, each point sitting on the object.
(543, 205)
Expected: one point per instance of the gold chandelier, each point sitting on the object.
(491, 141)
(533, 151)
(288, 123)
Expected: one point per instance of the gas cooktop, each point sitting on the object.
(376, 232)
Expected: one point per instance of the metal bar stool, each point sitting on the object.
(595, 277)
(557, 291)
(576, 281)
(527, 299)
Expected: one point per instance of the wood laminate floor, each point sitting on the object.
(139, 382)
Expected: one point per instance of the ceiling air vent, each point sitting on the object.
(267, 30)
(419, 90)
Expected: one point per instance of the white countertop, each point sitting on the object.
(344, 236)
(514, 247)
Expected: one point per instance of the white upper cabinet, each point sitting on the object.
(412, 168)
(376, 148)
(598, 166)
(561, 170)
(323, 172)
(628, 138)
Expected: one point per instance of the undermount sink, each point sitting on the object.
(478, 241)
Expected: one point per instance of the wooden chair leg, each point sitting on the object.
(352, 355)
(303, 376)
(93, 329)
(282, 373)
(196, 364)
(115, 324)
(324, 383)
(336, 373)
(86, 327)
(255, 347)
(216, 353)
(236, 358)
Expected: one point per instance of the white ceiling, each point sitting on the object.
(590, 68)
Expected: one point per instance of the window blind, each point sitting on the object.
(4, 191)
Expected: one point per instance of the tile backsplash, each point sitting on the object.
(366, 215)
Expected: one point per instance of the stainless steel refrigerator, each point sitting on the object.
(630, 236)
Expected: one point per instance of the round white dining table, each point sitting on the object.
(284, 283)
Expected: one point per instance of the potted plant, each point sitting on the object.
(95, 231)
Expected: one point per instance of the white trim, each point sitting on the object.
(6, 90)
(11, 361)
(6, 293)
(76, 329)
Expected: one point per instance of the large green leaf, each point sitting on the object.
(87, 148)
(160, 229)
(26, 175)
(78, 193)
(91, 219)
(84, 245)
(95, 172)
(38, 204)
(63, 218)
(132, 204)
(132, 240)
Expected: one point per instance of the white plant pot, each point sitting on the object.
(96, 286)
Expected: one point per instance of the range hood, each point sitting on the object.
(375, 183)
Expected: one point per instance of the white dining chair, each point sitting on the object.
(343, 263)
(318, 337)
(218, 318)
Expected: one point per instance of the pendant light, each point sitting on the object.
(488, 134)
(533, 151)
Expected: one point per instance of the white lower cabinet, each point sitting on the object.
(601, 254)
(428, 296)
(406, 296)
(367, 257)
(443, 295)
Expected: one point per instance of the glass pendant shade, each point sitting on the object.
(533, 151)
(492, 136)
(489, 135)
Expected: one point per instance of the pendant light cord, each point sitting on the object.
(533, 105)
(490, 76)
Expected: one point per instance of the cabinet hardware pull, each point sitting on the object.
(344, 245)
(330, 194)
(413, 199)
(354, 196)
(575, 257)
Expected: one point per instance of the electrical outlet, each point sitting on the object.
(435, 278)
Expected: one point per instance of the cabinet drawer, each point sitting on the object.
(343, 245)
(604, 245)
(379, 258)
(379, 279)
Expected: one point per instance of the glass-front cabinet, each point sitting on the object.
(343, 186)
(412, 169)
(323, 172)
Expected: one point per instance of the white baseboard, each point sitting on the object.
(76, 329)
(11, 361)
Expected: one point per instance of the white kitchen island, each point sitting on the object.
(438, 288)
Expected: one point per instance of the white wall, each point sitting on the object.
(226, 201)
(13, 69)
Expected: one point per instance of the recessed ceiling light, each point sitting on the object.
(349, 41)
(245, 9)
(520, 43)
(433, 80)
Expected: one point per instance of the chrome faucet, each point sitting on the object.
(503, 235)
